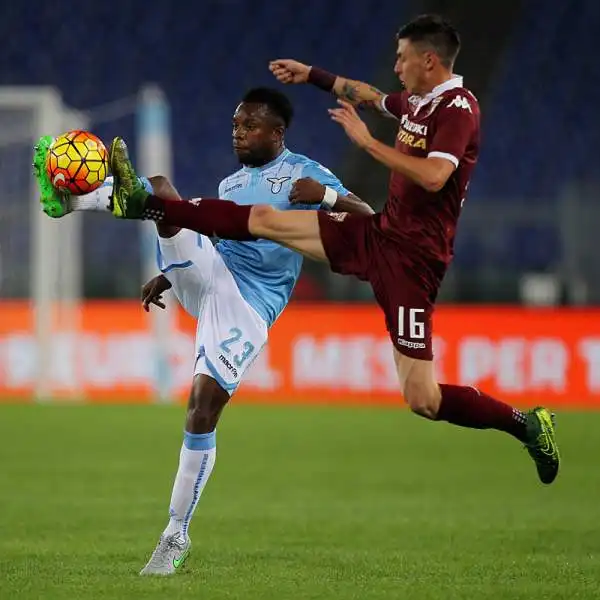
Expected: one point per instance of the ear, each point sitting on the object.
(431, 60)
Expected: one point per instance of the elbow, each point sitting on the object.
(434, 184)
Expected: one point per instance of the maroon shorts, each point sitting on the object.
(354, 246)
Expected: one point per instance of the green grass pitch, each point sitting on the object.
(304, 503)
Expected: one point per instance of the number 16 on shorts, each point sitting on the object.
(411, 327)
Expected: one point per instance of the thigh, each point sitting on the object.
(346, 239)
(295, 229)
(406, 301)
(187, 260)
(230, 333)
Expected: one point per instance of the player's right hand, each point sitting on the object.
(289, 71)
(307, 191)
(153, 290)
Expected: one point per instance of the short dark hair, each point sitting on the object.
(437, 33)
(277, 103)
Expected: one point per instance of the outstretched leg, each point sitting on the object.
(295, 229)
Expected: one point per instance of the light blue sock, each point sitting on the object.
(196, 462)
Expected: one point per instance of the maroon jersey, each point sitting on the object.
(443, 124)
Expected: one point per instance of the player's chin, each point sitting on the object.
(243, 154)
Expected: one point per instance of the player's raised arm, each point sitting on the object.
(358, 93)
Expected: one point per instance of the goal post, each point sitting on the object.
(26, 113)
(41, 258)
(155, 157)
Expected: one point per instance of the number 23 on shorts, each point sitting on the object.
(247, 347)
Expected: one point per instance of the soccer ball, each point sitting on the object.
(77, 162)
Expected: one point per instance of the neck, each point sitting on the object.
(266, 159)
(437, 79)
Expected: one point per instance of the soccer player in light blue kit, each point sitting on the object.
(236, 290)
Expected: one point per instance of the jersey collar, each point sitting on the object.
(284, 154)
(455, 81)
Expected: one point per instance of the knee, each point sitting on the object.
(262, 217)
(202, 414)
(204, 408)
(423, 400)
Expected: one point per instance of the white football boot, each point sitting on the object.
(168, 556)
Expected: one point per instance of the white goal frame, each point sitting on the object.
(56, 245)
(49, 241)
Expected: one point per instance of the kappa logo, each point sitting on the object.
(460, 102)
(277, 183)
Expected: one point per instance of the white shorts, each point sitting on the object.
(230, 333)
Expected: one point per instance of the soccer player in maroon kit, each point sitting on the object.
(404, 251)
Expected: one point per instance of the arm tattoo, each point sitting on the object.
(351, 92)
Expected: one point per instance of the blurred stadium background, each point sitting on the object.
(519, 315)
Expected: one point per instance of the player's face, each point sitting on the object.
(412, 66)
(256, 141)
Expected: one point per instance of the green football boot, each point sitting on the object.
(129, 195)
(54, 203)
(541, 443)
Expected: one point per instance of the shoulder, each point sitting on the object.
(307, 165)
(299, 160)
(233, 181)
(460, 98)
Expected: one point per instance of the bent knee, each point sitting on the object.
(423, 400)
(263, 216)
(207, 400)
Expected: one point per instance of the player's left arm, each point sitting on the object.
(455, 126)
(319, 186)
(153, 290)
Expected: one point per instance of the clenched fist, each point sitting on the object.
(289, 71)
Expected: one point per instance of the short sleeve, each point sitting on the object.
(323, 175)
(393, 104)
(456, 123)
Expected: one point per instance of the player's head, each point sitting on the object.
(259, 125)
(427, 49)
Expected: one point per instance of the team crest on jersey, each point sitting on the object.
(414, 100)
(434, 104)
(277, 183)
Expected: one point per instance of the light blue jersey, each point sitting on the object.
(264, 271)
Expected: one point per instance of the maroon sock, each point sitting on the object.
(209, 216)
(468, 407)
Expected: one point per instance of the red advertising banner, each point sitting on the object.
(318, 353)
